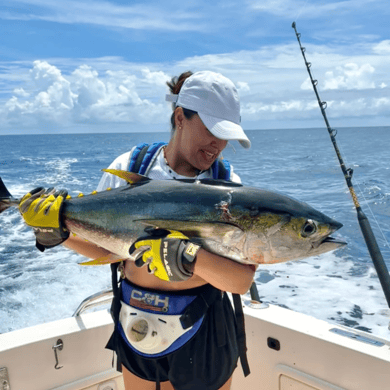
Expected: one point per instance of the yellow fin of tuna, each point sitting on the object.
(103, 260)
(130, 177)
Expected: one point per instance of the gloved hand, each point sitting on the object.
(169, 254)
(42, 211)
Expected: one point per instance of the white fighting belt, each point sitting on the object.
(150, 333)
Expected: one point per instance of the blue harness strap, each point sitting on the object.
(144, 153)
(135, 160)
(221, 169)
(227, 169)
(151, 151)
(142, 156)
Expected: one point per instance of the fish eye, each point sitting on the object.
(309, 228)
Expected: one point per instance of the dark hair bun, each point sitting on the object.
(176, 82)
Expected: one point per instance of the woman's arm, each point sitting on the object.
(222, 273)
(85, 248)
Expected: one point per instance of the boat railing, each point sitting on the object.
(104, 297)
(99, 299)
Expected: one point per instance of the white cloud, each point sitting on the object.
(292, 106)
(43, 74)
(350, 76)
(242, 86)
(272, 83)
(21, 92)
(382, 47)
(87, 86)
(84, 95)
(381, 103)
(359, 106)
(155, 78)
(52, 100)
(304, 109)
(307, 84)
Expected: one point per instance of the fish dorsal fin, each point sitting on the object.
(130, 177)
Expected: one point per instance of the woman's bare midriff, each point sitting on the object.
(142, 278)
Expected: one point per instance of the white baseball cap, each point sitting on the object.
(215, 98)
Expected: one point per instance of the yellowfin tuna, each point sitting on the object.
(245, 224)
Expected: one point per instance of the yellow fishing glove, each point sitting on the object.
(42, 211)
(169, 254)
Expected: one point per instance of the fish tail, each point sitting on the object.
(5, 197)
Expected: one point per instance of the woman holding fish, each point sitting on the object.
(174, 323)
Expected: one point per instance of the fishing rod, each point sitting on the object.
(364, 223)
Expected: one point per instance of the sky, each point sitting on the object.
(102, 66)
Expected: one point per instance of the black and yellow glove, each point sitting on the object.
(42, 211)
(169, 254)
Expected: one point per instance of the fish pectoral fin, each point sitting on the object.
(130, 177)
(195, 228)
(103, 260)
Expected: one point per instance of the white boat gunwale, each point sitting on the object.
(311, 355)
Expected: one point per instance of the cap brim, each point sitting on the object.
(224, 129)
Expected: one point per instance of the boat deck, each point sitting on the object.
(286, 351)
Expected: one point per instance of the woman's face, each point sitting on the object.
(198, 147)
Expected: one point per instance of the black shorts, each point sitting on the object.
(205, 362)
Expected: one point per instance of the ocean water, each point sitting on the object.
(340, 287)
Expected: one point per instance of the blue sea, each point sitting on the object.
(340, 287)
